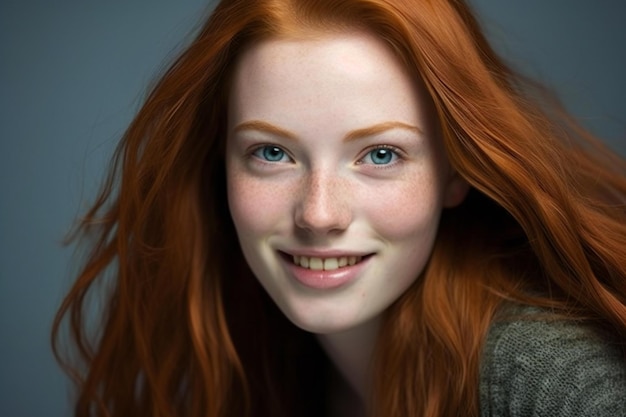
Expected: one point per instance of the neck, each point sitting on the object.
(351, 352)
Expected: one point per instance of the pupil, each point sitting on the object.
(381, 156)
(273, 153)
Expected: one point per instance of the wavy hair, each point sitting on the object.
(186, 329)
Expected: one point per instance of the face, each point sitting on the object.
(336, 179)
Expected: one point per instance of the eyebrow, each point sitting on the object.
(379, 128)
(265, 127)
(351, 136)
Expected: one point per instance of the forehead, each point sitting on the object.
(352, 74)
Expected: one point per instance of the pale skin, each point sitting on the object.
(333, 162)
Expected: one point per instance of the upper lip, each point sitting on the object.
(324, 253)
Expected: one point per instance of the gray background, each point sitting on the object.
(72, 74)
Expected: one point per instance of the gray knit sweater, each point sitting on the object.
(550, 368)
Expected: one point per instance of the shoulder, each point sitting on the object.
(535, 366)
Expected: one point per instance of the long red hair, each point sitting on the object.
(187, 331)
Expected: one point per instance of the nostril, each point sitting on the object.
(323, 219)
(323, 206)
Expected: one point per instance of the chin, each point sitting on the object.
(324, 322)
(322, 328)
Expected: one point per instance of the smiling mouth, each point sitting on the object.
(324, 264)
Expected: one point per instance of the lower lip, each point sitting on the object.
(324, 280)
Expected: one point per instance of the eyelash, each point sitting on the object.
(254, 153)
(396, 152)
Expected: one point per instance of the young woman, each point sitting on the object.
(353, 207)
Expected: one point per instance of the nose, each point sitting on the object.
(323, 206)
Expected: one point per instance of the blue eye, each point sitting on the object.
(380, 156)
(271, 154)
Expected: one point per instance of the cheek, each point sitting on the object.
(256, 206)
(409, 210)
(407, 219)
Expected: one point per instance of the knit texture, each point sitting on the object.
(535, 367)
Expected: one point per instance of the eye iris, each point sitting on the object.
(381, 156)
(273, 153)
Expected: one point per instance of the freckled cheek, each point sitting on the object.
(257, 206)
(402, 212)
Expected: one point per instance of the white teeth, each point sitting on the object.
(316, 264)
(327, 264)
(330, 264)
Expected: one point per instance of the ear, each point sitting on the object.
(455, 191)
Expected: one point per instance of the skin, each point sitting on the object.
(305, 173)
